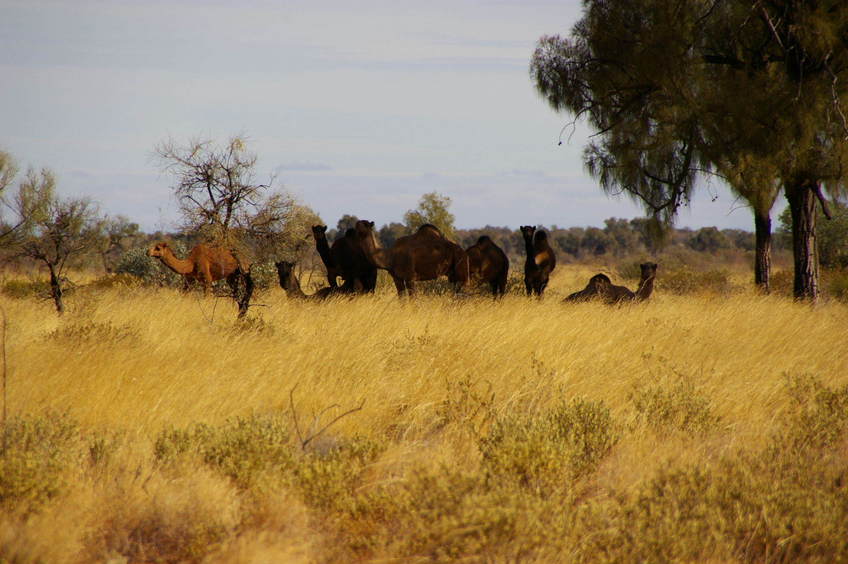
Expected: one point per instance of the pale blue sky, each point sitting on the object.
(357, 107)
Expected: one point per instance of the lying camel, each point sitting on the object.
(290, 283)
(346, 259)
(601, 287)
(540, 261)
(424, 255)
(204, 264)
(488, 263)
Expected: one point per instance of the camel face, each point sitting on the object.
(527, 231)
(649, 270)
(158, 250)
(319, 231)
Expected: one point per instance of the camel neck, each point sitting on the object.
(529, 248)
(180, 266)
(646, 288)
(293, 287)
(323, 248)
(377, 256)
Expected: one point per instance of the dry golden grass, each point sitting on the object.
(434, 373)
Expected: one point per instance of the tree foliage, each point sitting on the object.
(433, 208)
(54, 230)
(752, 91)
(219, 196)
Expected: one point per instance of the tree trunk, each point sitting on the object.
(802, 205)
(56, 290)
(762, 253)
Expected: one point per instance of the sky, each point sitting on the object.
(354, 107)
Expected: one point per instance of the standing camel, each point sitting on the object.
(488, 263)
(540, 260)
(601, 287)
(204, 264)
(424, 255)
(346, 259)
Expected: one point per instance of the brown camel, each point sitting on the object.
(345, 259)
(290, 283)
(488, 263)
(601, 287)
(319, 233)
(204, 264)
(540, 261)
(424, 255)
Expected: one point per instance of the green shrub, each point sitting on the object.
(38, 451)
(135, 262)
(24, 289)
(680, 406)
(93, 332)
(836, 283)
(547, 452)
(818, 416)
(688, 281)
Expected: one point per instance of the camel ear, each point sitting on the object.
(371, 224)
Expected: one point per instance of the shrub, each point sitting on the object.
(546, 452)
(680, 407)
(836, 282)
(32, 466)
(688, 281)
(92, 332)
(23, 289)
(135, 262)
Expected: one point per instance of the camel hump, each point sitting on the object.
(541, 236)
(600, 278)
(429, 228)
(484, 240)
(351, 232)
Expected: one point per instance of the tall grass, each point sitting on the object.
(705, 426)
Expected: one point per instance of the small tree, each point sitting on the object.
(432, 208)
(54, 230)
(218, 194)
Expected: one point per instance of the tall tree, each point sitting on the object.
(749, 89)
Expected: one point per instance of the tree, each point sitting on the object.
(54, 230)
(661, 83)
(346, 222)
(432, 208)
(8, 172)
(391, 232)
(119, 235)
(831, 236)
(218, 194)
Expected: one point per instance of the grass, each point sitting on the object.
(148, 426)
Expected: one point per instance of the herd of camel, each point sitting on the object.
(425, 255)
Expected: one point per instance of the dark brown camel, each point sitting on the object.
(601, 287)
(424, 255)
(345, 259)
(540, 261)
(488, 263)
(290, 283)
(204, 264)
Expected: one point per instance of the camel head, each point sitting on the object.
(649, 270)
(527, 231)
(159, 250)
(599, 282)
(318, 231)
(284, 272)
(365, 231)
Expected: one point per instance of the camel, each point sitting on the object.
(601, 287)
(204, 264)
(290, 283)
(488, 263)
(424, 255)
(319, 234)
(540, 261)
(345, 259)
